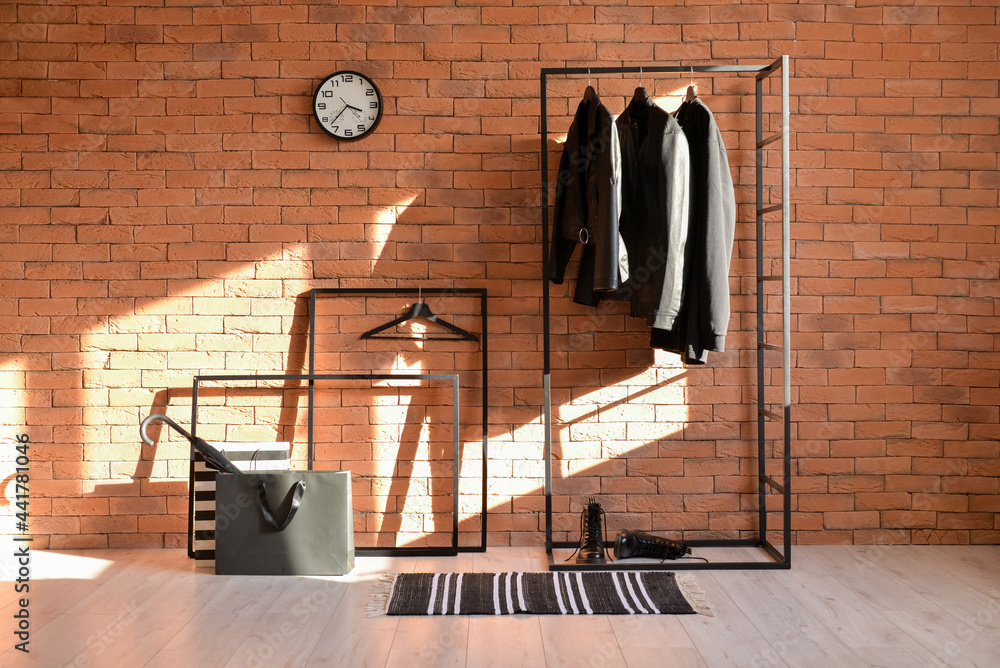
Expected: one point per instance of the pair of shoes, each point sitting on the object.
(627, 544)
(639, 544)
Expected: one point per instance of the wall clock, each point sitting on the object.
(348, 105)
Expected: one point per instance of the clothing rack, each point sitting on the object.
(472, 293)
(766, 483)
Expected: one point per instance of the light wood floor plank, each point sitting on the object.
(505, 642)
(141, 633)
(891, 606)
(351, 638)
(674, 657)
(190, 658)
(572, 641)
(728, 639)
(951, 641)
(859, 570)
(282, 640)
(430, 642)
(59, 640)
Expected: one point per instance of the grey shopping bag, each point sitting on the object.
(284, 523)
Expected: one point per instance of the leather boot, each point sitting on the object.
(639, 544)
(591, 550)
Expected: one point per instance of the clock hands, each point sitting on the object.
(348, 106)
(339, 115)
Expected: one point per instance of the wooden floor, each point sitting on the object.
(839, 606)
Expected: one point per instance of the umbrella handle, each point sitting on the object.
(163, 418)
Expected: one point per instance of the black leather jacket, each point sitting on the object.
(588, 203)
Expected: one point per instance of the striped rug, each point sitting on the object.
(549, 593)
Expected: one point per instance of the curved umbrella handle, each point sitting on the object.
(163, 418)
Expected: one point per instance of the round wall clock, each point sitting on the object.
(348, 105)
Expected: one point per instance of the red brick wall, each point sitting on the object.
(166, 197)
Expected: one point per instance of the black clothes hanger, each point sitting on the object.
(421, 310)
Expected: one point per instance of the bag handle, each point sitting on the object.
(265, 507)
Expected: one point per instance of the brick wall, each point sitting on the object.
(166, 199)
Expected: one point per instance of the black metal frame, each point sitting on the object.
(484, 349)
(778, 559)
(312, 378)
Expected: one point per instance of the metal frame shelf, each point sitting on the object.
(777, 559)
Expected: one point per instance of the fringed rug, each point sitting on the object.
(549, 593)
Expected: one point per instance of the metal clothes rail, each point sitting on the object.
(765, 483)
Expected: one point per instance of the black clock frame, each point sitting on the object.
(378, 95)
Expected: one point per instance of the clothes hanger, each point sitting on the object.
(591, 92)
(692, 94)
(640, 93)
(421, 310)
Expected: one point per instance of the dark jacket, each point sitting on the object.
(588, 201)
(703, 320)
(654, 218)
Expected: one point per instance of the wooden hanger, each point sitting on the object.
(421, 310)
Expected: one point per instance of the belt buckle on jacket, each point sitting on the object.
(584, 235)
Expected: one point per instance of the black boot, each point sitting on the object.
(591, 550)
(639, 544)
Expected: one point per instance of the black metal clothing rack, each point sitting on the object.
(314, 294)
(766, 483)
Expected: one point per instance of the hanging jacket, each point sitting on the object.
(587, 204)
(703, 321)
(654, 218)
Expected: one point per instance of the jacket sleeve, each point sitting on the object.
(604, 227)
(721, 228)
(569, 190)
(676, 175)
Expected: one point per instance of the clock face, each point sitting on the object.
(348, 105)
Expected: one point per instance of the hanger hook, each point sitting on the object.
(420, 293)
(588, 77)
(640, 76)
(692, 75)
